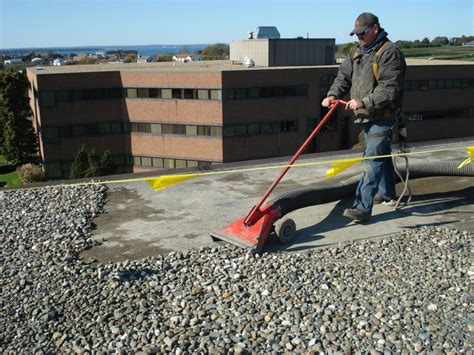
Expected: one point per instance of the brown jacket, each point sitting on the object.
(382, 98)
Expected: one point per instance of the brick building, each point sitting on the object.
(172, 115)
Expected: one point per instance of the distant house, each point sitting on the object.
(146, 59)
(13, 61)
(468, 44)
(37, 61)
(58, 61)
(183, 57)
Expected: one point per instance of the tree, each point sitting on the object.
(346, 48)
(18, 142)
(216, 51)
(80, 164)
(425, 42)
(89, 164)
(107, 165)
(440, 41)
(93, 160)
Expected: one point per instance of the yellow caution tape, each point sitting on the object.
(470, 152)
(337, 167)
(169, 180)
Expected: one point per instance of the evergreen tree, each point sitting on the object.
(93, 160)
(87, 163)
(80, 165)
(17, 139)
(107, 165)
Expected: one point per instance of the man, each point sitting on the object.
(373, 72)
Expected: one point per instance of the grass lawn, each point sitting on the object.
(446, 52)
(11, 179)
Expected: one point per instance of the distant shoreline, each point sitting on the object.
(141, 50)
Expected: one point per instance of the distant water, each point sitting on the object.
(142, 50)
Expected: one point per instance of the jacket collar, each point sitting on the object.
(379, 41)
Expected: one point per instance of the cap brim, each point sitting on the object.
(357, 30)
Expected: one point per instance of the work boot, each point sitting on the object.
(356, 215)
(380, 199)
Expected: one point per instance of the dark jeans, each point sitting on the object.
(379, 174)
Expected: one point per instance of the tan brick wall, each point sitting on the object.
(201, 112)
(193, 148)
(180, 79)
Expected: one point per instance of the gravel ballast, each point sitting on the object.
(409, 292)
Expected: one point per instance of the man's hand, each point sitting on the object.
(328, 101)
(354, 104)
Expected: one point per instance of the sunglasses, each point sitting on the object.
(363, 33)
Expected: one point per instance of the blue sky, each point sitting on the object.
(55, 23)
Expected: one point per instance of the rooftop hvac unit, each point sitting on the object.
(267, 32)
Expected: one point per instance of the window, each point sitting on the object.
(253, 129)
(105, 128)
(116, 127)
(189, 93)
(229, 131)
(144, 127)
(146, 161)
(240, 130)
(157, 162)
(216, 94)
(191, 130)
(131, 93)
(288, 126)
(154, 93)
(180, 163)
(91, 130)
(155, 128)
(229, 94)
(176, 93)
(266, 92)
(168, 163)
(240, 94)
(266, 128)
(167, 128)
(166, 93)
(78, 131)
(204, 131)
(192, 163)
(134, 127)
(50, 135)
(137, 161)
(254, 93)
(65, 132)
(276, 127)
(179, 129)
(47, 99)
(62, 96)
(203, 94)
(142, 93)
(216, 131)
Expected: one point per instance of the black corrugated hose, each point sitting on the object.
(333, 190)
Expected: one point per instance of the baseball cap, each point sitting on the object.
(363, 21)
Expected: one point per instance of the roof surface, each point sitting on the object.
(201, 66)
